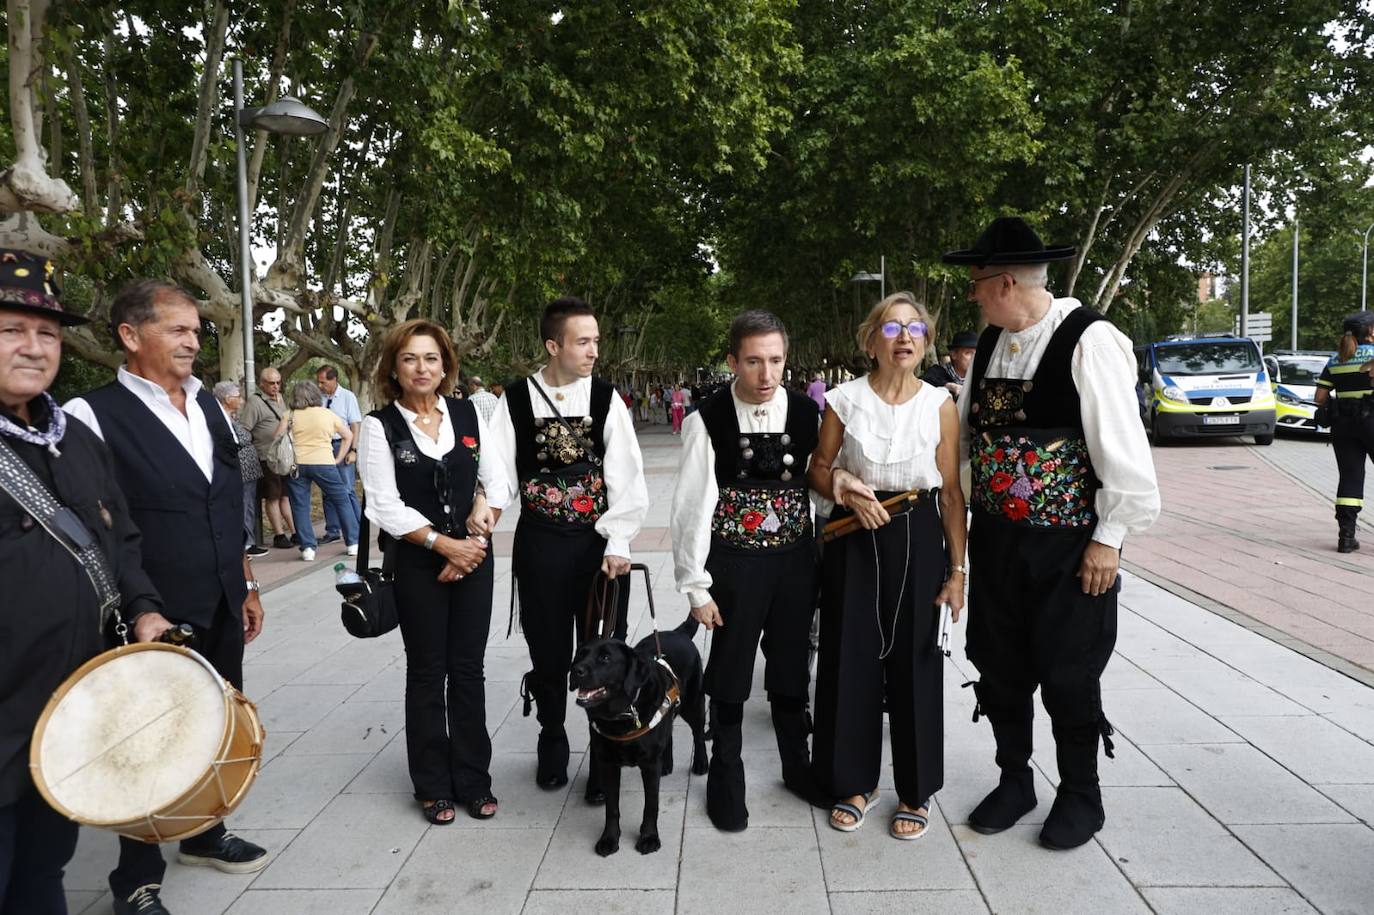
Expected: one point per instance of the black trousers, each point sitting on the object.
(768, 598)
(36, 842)
(1030, 624)
(445, 628)
(1352, 438)
(139, 862)
(555, 566)
(877, 596)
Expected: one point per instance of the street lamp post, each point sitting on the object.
(1364, 268)
(880, 277)
(287, 116)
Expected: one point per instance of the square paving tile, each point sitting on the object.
(1316, 750)
(1329, 865)
(1229, 692)
(291, 790)
(870, 859)
(1151, 716)
(571, 862)
(1161, 837)
(305, 902)
(1238, 784)
(359, 841)
(1358, 799)
(457, 870)
(909, 902)
(757, 870)
(601, 902)
(352, 727)
(300, 708)
(1226, 901)
(1017, 875)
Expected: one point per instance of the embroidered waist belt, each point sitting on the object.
(1033, 477)
(573, 495)
(762, 518)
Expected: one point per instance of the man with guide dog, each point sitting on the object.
(570, 445)
(744, 554)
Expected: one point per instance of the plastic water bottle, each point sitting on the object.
(347, 582)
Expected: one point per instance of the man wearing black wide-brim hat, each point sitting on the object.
(52, 615)
(1061, 473)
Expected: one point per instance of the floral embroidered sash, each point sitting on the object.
(758, 518)
(1040, 478)
(576, 495)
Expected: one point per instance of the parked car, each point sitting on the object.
(1195, 387)
(1293, 375)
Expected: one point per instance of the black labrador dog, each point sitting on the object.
(623, 689)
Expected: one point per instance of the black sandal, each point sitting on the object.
(432, 811)
(476, 804)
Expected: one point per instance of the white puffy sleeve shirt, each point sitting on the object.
(1104, 372)
(889, 446)
(627, 495)
(377, 467)
(696, 495)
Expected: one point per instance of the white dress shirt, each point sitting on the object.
(377, 467)
(696, 495)
(889, 446)
(1104, 372)
(627, 496)
(190, 429)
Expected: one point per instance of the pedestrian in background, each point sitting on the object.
(341, 401)
(423, 458)
(260, 415)
(1344, 390)
(311, 427)
(679, 407)
(482, 399)
(231, 400)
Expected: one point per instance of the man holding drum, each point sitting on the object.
(176, 460)
(51, 616)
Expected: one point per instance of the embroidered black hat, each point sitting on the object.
(1009, 240)
(26, 284)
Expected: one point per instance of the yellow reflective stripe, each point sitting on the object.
(1345, 368)
(1323, 383)
(1351, 394)
(1355, 502)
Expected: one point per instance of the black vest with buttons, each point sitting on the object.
(193, 538)
(441, 490)
(763, 501)
(559, 481)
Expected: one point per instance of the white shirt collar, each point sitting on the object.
(778, 400)
(134, 382)
(543, 380)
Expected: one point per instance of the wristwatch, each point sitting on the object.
(962, 570)
(253, 585)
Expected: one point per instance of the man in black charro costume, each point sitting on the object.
(570, 447)
(1061, 474)
(744, 554)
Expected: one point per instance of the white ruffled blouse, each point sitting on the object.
(889, 446)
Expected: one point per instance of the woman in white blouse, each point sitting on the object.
(883, 434)
(426, 459)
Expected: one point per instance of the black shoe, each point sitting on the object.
(552, 769)
(255, 551)
(331, 538)
(295, 539)
(144, 901)
(790, 726)
(231, 855)
(725, 803)
(1073, 820)
(281, 542)
(1347, 543)
(1013, 798)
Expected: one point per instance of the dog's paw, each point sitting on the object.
(665, 766)
(647, 845)
(608, 845)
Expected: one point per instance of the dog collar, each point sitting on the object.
(672, 697)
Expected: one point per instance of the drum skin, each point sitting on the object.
(148, 741)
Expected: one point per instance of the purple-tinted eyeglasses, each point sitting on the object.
(893, 329)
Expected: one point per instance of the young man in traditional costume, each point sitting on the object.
(1061, 475)
(744, 552)
(570, 445)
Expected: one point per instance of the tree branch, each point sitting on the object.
(82, 116)
(273, 87)
(209, 98)
(25, 185)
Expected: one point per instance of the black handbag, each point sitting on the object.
(370, 609)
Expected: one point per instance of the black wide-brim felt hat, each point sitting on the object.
(1009, 240)
(964, 339)
(26, 284)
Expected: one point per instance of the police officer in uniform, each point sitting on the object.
(1343, 392)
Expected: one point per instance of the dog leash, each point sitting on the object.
(608, 609)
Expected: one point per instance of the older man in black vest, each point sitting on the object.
(177, 462)
(1061, 475)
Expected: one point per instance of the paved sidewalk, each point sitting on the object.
(1243, 783)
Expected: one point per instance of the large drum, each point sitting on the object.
(148, 741)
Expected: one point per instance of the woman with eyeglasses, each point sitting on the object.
(885, 434)
(436, 489)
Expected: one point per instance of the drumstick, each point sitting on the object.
(850, 524)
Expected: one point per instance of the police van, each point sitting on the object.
(1200, 386)
(1293, 375)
